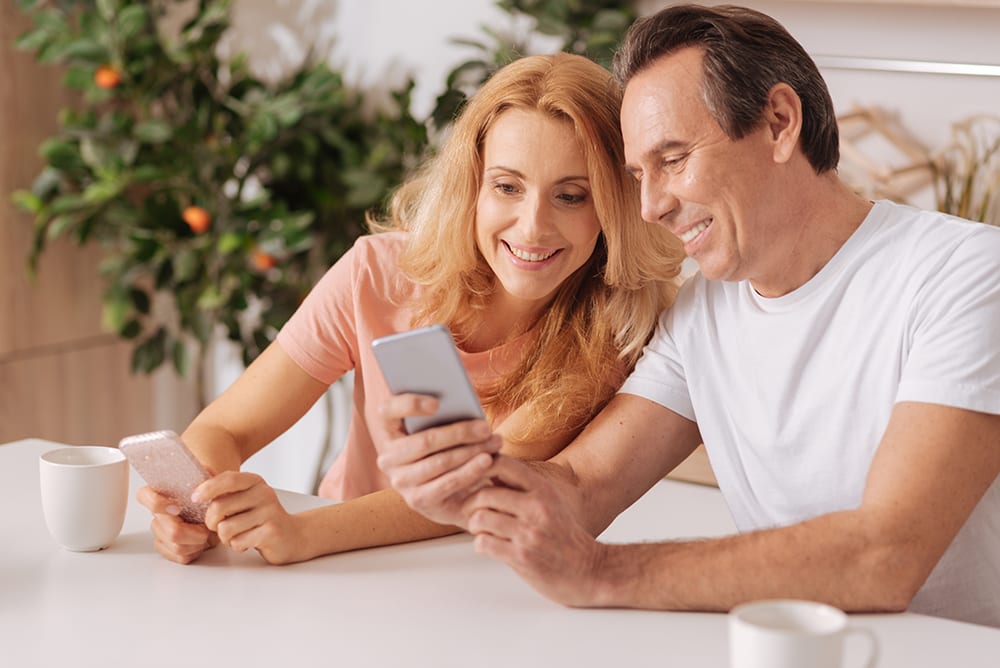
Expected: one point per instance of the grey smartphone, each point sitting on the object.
(166, 464)
(425, 361)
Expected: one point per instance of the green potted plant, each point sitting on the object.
(219, 199)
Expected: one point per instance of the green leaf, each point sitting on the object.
(102, 191)
(107, 9)
(130, 329)
(211, 298)
(95, 153)
(114, 312)
(231, 242)
(25, 200)
(86, 50)
(78, 77)
(60, 154)
(60, 224)
(35, 39)
(67, 203)
(131, 21)
(150, 354)
(180, 357)
(140, 300)
(186, 265)
(153, 131)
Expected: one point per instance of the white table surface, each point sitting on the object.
(434, 603)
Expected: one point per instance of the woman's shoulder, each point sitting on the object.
(375, 259)
(380, 245)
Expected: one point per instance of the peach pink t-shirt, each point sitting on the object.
(362, 297)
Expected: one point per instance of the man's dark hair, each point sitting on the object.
(745, 54)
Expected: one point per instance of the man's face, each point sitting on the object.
(711, 191)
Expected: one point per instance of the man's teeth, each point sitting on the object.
(694, 231)
(530, 257)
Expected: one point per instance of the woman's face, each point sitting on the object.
(535, 217)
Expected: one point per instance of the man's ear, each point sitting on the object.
(783, 117)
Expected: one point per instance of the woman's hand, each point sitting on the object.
(435, 470)
(245, 513)
(174, 538)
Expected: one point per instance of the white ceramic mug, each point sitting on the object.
(792, 634)
(84, 495)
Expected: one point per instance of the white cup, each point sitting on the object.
(792, 634)
(84, 495)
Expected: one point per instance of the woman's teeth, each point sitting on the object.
(694, 231)
(530, 257)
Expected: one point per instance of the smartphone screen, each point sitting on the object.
(166, 464)
(426, 361)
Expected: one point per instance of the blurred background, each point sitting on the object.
(175, 175)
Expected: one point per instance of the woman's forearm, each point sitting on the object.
(379, 518)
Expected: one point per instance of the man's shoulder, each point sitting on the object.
(937, 225)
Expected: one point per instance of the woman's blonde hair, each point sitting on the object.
(601, 317)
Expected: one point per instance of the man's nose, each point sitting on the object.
(657, 200)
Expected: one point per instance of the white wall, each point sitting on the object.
(372, 42)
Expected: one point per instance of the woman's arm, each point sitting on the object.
(246, 513)
(268, 398)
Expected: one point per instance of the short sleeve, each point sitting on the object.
(659, 374)
(321, 335)
(954, 352)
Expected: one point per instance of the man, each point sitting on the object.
(838, 358)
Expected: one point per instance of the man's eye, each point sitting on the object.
(673, 161)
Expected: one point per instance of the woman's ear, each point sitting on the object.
(783, 116)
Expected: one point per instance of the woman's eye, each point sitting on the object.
(571, 198)
(505, 188)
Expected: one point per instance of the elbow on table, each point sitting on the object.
(890, 577)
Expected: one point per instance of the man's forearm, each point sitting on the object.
(838, 558)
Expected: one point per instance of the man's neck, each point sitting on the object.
(819, 222)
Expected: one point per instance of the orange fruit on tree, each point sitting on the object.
(107, 77)
(263, 261)
(197, 218)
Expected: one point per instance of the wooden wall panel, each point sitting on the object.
(61, 377)
(82, 395)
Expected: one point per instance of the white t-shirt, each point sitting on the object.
(792, 394)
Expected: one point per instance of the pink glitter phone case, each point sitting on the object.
(165, 463)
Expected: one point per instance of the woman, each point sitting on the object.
(523, 236)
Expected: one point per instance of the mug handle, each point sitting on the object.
(873, 651)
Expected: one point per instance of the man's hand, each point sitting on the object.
(526, 519)
(435, 470)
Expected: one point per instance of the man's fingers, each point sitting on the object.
(494, 498)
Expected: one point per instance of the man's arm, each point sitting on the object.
(932, 467)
